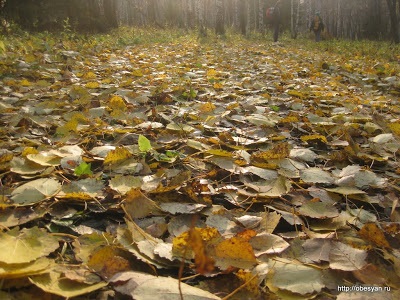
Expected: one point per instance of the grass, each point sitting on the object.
(21, 42)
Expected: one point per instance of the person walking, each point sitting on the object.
(317, 26)
(276, 20)
(273, 15)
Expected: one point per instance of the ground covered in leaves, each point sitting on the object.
(203, 169)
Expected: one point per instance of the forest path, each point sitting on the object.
(255, 159)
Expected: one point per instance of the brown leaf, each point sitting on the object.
(372, 233)
(204, 264)
(138, 205)
(107, 261)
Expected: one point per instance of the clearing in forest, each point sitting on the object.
(224, 168)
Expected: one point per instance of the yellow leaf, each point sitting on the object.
(79, 117)
(279, 151)
(220, 152)
(117, 103)
(313, 138)
(116, 156)
(30, 58)
(137, 73)
(92, 85)
(6, 157)
(25, 82)
(71, 125)
(218, 86)
(39, 266)
(2, 46)
(106, 80)
(297, 94)
(278, 138)
(81, 196)
(126, 83)
(232, 105)
(289, 119)
(211, 73)
(395, 128)
(250, 280)
(235, 252)
(55, 282)
(89, 75)
(207, 107)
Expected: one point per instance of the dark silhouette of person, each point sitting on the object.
(276, 20)
(273, 17)
(317, 26)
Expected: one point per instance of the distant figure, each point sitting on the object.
(317, 26)
(276, 21)
(274, 18)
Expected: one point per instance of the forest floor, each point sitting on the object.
(144, 163)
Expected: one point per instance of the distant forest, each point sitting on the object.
(347, 19)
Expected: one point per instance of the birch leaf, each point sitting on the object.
(27, 245)
(147, 287)
(35, 191)
(346, 258)
(295, 278)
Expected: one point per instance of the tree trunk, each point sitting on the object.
(394, 20)
(248, 18)
(200, 12)
(261, 11)
(219, 22)
(294, 18)
(110, 13)
(339, 24)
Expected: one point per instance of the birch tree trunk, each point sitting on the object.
(339, 24)
(243, 12)
(248, 18)
(310, 12)
(219, 22)
(294, 18)
(261, 10)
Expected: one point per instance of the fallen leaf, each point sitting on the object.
(27, 245)
(372, 233)
(142, 286)
(56, 283)
(138, 205)
(108, 261)
(35, 191)
(295, 278)
(319, 210)
(346, 258)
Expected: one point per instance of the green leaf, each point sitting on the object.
(144, 144)
(274, 107)
(83, 169)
